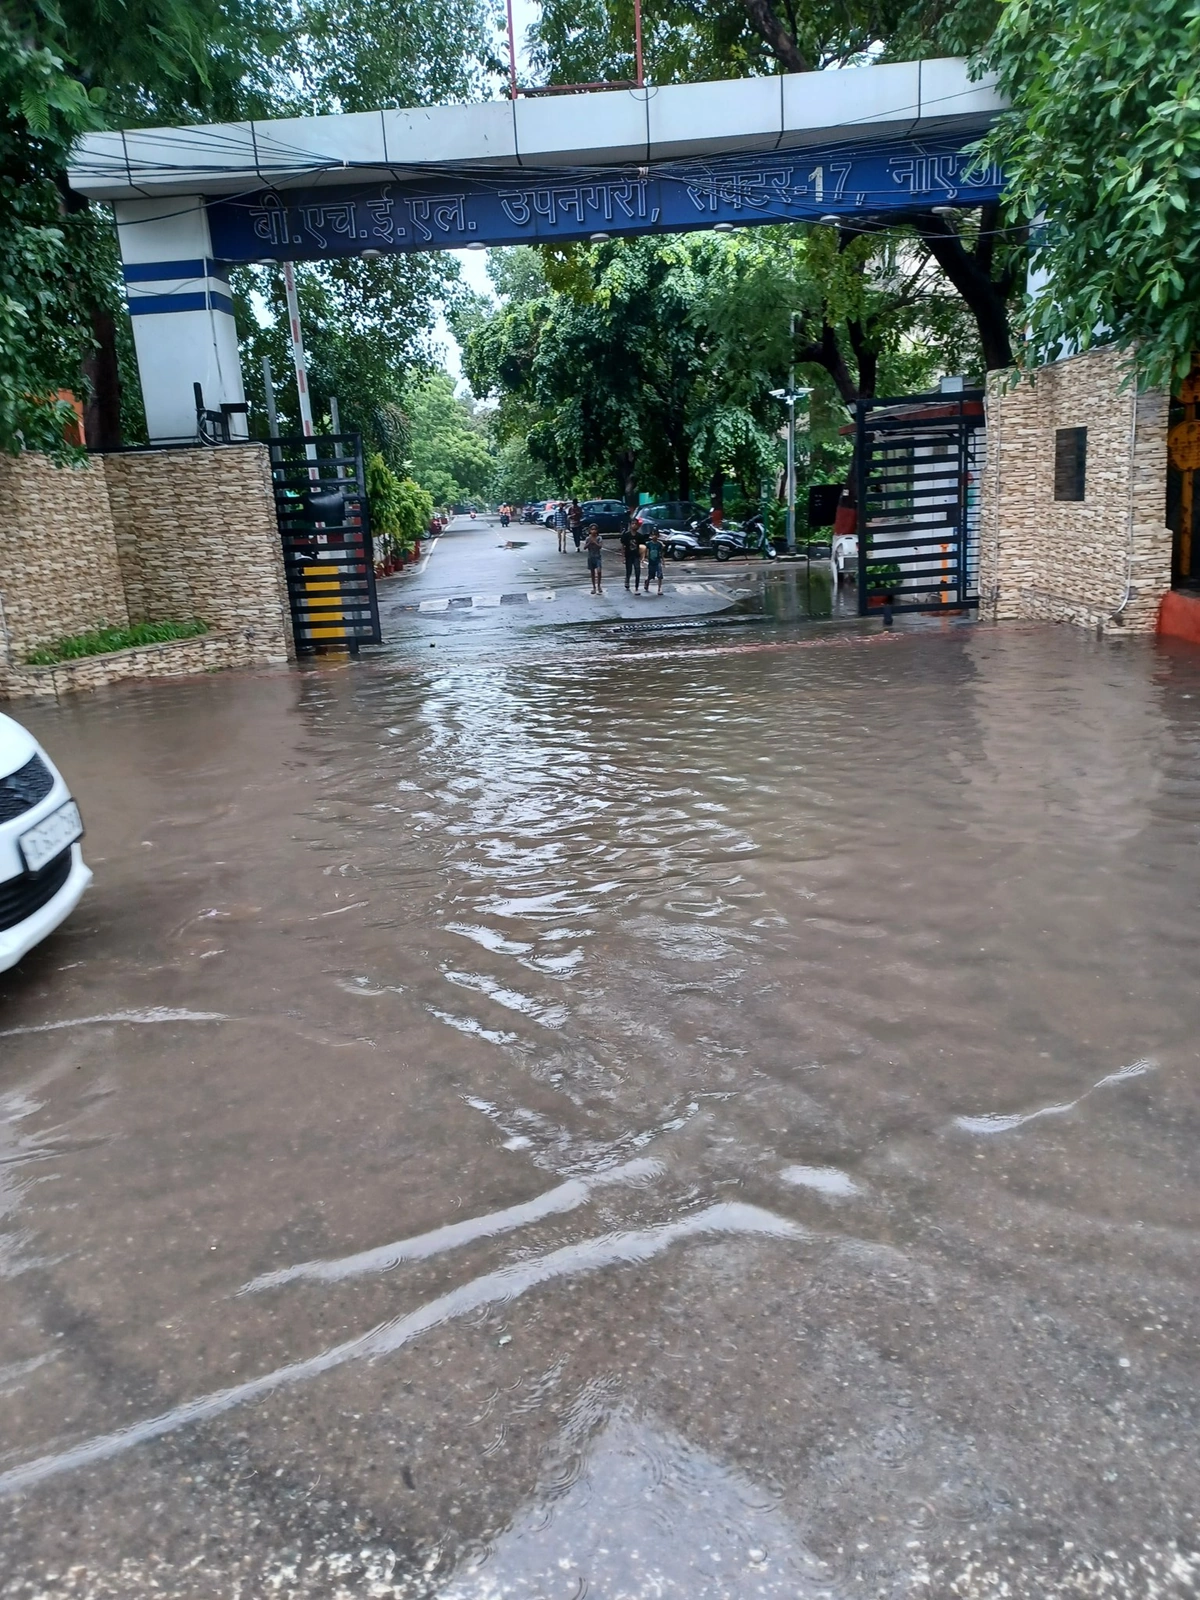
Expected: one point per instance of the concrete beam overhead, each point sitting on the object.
(595, 129)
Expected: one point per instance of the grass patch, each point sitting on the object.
(103, 641)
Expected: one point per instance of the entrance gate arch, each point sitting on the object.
(862, 143)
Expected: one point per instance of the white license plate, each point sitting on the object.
(51, 836)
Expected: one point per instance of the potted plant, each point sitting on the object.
(883, 580)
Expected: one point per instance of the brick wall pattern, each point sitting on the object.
(148, 536)
(59, 572)
(175, 658)
(1104, 561)
(196, 536)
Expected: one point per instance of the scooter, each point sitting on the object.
(748, 540)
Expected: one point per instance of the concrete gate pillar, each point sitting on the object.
(182, 314)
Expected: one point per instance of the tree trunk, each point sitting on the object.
(779, 41)
(866, 358)
(986, 300)
(102, 409)
(685, 472)
(716, 490)
(827, 353)
(627, 476)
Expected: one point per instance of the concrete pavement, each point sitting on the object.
(479, 569)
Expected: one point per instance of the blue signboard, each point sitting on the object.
(552, 206)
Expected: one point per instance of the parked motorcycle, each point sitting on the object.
(698, 541)
(748, 540)
(687, 546)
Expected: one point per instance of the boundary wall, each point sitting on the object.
(140, 536)
(1100, 562)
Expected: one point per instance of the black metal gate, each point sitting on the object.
(919, 463)
(328, 555)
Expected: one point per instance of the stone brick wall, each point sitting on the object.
(149, 536)
(1104, 561)
(174, 659)
(59, 572)
(196, 537)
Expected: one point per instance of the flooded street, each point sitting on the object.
(701, 1112)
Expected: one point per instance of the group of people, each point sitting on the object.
(636, 549)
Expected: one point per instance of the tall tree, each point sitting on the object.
(150, 62)
(1105, 145)
(366, 332)
(651, 361)
(687, 39)
(451, 452)
(48, 275)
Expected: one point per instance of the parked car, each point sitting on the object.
(610, 516)
(678, 517)
(42, 872)
(547, 510)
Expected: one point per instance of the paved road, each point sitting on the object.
(479, 578)
(597, 1113)
(477, 566)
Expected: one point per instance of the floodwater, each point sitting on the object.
(569, 1115)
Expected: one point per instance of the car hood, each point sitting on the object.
(16, 746)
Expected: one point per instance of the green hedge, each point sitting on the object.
(400, 508)
(103, 641)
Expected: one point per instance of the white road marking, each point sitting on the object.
(483, 601)
(428, 558)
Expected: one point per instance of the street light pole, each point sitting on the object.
(791, 439)
(791, 465)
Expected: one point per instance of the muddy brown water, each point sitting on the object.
(706, 1118)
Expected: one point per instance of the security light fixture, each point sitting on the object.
(477, 244)
(600, 238)
(371, 255)
(829, 219)
(944, 211)
(722, 227)
(266, 261)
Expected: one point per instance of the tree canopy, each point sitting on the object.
(590, 40)
(1104, 144)
(449, 446)
(587, 41)
(70, 65)
(366, 331)
(46, 282)
(649, 363)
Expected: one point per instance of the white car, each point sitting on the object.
(42, 873)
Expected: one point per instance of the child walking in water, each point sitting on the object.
(654, 560)
(594, 548)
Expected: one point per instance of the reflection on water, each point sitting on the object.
(580, 1114)
(642, 1512)
(801, 592)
